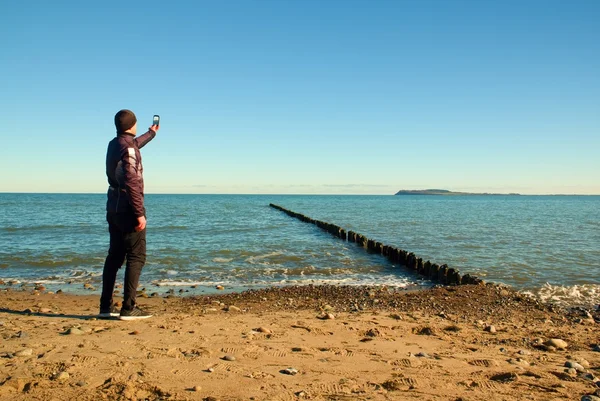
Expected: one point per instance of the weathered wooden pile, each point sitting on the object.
(433, 271)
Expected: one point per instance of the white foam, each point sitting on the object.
(584, 295)
(222, 260)
(173, 283)
(345, 281)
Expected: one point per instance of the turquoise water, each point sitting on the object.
(548, 245)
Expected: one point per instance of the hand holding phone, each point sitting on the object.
(155, 123)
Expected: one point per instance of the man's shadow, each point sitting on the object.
(51, 315)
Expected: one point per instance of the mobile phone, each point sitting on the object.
(156, 120)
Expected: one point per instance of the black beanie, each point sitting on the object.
(124, 120)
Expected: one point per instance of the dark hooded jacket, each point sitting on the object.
(125, 173)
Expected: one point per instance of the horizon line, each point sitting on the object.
(300, 194)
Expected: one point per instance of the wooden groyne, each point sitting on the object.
(433, 271)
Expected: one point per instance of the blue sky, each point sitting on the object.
(345, 97)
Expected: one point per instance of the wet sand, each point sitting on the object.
(473, 342)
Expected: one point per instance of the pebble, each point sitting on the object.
(538, 341)
(571, 371)
(578, 367)
(220, 287)
(524, 352)
(590, 398)
(596, 348)
(588, 376)
(210, 370)
(74, 331)
(22, 334)
(28, 311)
(519, 362)
(584, 363)
(289, 371)
(263, 330)
(229, 358)
(422, 355)
(503, 350)
(197, 388)
(88, 286)
(232, 308)
(490, 329)
(61, 376)
(81, 383)
(45, 310)
(134, 333)
(556, 343)
(24, 352)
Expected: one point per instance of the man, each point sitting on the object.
(126, 216)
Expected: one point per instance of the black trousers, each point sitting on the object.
(125, 244)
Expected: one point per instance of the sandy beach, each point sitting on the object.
(472, 342)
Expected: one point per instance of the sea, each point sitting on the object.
(547, 247)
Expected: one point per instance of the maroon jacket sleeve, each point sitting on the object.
(133, 180)
(143, 139)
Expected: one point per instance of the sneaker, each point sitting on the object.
(108, 313)
(134, 314)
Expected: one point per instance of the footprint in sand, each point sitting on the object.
(337, 351)
(221, 367)
(185, 372)
(407, 363)
(231, 350)
(82, 359)
(488, 363)
(332, 390)
(252, 355)
(400, 383)
(278, 354)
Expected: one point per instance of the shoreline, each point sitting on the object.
(471, 342)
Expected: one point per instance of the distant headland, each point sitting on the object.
(443, 192)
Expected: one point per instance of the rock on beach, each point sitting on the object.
(556, 343)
